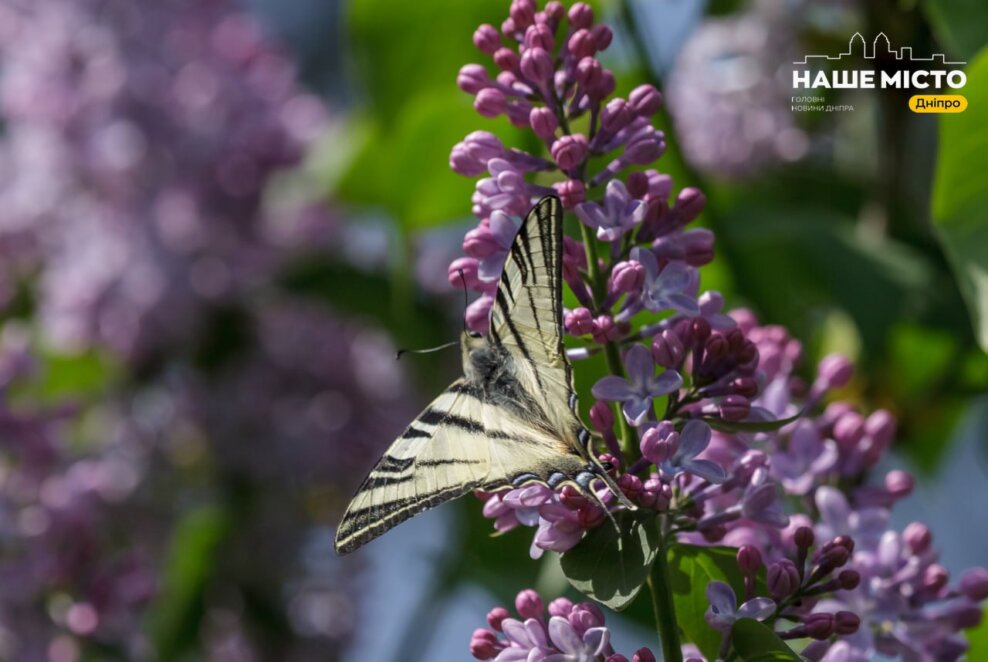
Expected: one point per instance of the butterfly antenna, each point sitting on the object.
(613, 486)
(429, 350)
(466, 298)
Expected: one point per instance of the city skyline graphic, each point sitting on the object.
(857, 45)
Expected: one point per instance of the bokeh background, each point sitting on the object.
(218, 220)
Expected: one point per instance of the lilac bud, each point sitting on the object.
(880, 426)
(631, 485)
(581, 45)
(536, 65)
(472, 78)
(667, 349)
(602, 36)
(584, 616)
(819, 626)
(487, 39)
(746, 386)
(615, 116)
(581, 15)
(697, 246)
(935, 578)
(645, 100)
(700, 330)
(617, 657)
(579, 322)
(659, 442)
(601, 416)
(644, 150)
(483, 644)
(783, 579)
(749, 559)
(716, 348)
(966, 617)
(528, 604)
(849, 580)
(846, 622)
(571, 193)
(804, 537)
(848, 430)
(637, 182)
(655, 494)
(522, 13)
(734, 408)
(627, 276)
(463, 163)
(569, 151)
(490, 102)
(539, 36)
(496, 616)
(643, 655)
(607, 85)
(478, 314)
(689, 203)
(974, 584)
(480, 242)
(543, 122)
(506, 59)
(588, 74)
(462, 272)
(484, 146)
(560, 607)
(835, 370)
(605, 330)
(917, 537)
(899, 483)
(555, 10)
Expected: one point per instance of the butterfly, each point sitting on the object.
(511, 420)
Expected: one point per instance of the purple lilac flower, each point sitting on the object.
(724, 610)
(640, 388)
(808, 458)
(618, 215)
(693, 440)
(667, 288)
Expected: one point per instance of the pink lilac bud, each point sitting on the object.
(880, 426)
(849, 580)
(602, 36)
(659, 442)
(579, 322)
(490, 102)
(543, 122)
(483, 644)
(734, 408)
(644, 150)
(627, 276)
(631, 485)
(667, 349)
(487, 39)
(935, 577)
(655, 494)
(555, 10)
(480, 242)
(645, 100)
(506, 59)
(917, 537)
(601, 416)
(749, 559)
(569, 151)
(588, 74)
(783, 579)
(472, 78)
(571, 192)
(819, 626)
(496, 616)
(746, 386)
(560, 607)
(528, 604)
(804, 537)
(536, 65)
(637, 182)
(689, 204)
(463, 273)
(509, 28)
(522, 13)
(478, 314)
(581, 45)
(580, 15)
(615, 116)
(974, 584)
(605, 330)
(899, 483)
(846, 622)
(539, 36)
(835, 370)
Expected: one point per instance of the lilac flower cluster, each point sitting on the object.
(704, 417)
(568, 632)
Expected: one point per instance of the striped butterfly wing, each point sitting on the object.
(460, 443)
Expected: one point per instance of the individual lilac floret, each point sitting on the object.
(641, 386)
(693, 440)
(619, 213)
(865, 525)
(723, 610)
(503, 230)
(666, 289)
(573, 647)
(807, 458)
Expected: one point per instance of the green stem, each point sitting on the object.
(662, 605)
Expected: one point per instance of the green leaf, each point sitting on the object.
(978, 638)
(750, 426)
(961, 25)
(192, 555)
(691, 568)
(610, 565)
(960, 197)
(755, 642)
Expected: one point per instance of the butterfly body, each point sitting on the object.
(509, 421)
